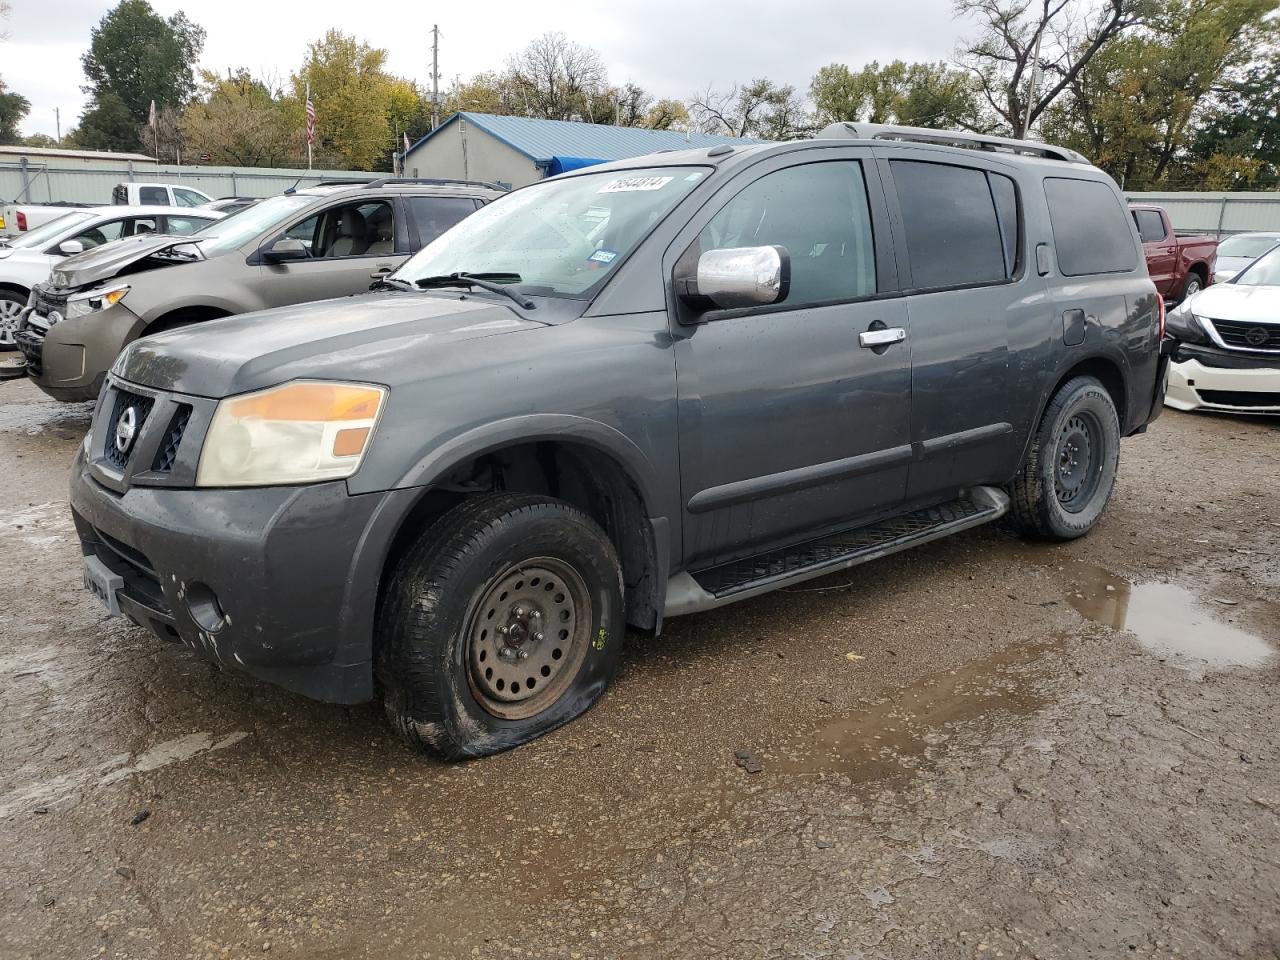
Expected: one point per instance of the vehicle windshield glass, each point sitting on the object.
(240, 227)
(1263, 272)
(48, 231)
(563, 237)
(1246, 246)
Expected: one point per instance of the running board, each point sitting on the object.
(695, 591)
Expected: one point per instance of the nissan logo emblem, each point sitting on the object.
(1257, 336)
(126, 428)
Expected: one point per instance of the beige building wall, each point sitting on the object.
(461, 151)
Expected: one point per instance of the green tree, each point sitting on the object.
(757, 109)
(1242, 123)
(13, 110)
(136, 56)
(1136, 107)
(915, 94)
(239, 121)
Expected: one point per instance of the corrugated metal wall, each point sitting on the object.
(70, 181)
(1217, 213)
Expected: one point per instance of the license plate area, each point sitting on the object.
(104, 583)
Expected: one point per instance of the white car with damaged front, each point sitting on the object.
(1228, 352)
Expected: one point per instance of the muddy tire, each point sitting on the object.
(503, 622)
(1066, 481)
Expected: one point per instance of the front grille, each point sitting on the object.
(168, 451)
(1248, 336)
(141, 582)
(1240, 398)
(45, 302)
(124, 400)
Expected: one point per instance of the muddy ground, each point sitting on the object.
(984, 748)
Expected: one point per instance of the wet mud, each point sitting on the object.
(982, 748)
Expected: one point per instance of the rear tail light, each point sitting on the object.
(22, 220)
(1160, 311)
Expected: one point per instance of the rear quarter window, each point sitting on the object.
(1092, 232)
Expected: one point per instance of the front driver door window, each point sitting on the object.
(792, 425)
(188, 198)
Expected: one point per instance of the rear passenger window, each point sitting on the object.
(954, 236)
(153, 196)
(1150, 225)
(819, 213)
(1090, 229)
(435, 215)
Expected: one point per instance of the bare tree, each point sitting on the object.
(1020, 38)
(755, 109)
(558, 79)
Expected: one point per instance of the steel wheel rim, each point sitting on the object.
(527, 633)
(1077, 461)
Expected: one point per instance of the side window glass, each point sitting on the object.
(187, 198)
(140, 225)
(153, 196)
(354, 230)
(952, 231)
(1090, 232)
(184, 226)
(1150, 225)
(102, 233)
(435, 215)
(819, 213)
(306, 232)
(1005, 194)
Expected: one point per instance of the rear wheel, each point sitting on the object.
(1069, 474)
(1193, 286)
(11, 305)
(503, 622)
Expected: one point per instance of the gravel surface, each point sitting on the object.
(982, 748)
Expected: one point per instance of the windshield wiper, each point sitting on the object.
(395, 283)
(493, 282)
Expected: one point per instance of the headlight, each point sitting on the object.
(299, 432)
(1223, 276)
(1182, 324)
(83, 304)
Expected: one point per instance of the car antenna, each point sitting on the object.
(293, 189)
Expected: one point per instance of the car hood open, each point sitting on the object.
(1238, 302)
(110, 259)
(366, 337)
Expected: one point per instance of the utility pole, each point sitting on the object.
(57, 122)
(1031, 89)
(435, 75)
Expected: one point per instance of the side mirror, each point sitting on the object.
(284, 250)
(71, 247)
(739, 277)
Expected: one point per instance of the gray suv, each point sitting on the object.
(324, 241)
(636, 391)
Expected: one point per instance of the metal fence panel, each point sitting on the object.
(56, 180)
(1216, 213)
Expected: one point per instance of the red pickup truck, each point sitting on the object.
(1179, 265)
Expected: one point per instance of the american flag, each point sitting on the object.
(311, 118)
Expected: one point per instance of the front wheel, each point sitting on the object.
(1193, 286)
(502, 623)
(1070, 471)
(11, 306)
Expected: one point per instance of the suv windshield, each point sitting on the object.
(562, 237)
(47, 231)
(1263, 272)
(242, 226)
(1241, 246)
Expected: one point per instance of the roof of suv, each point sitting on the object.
(468, 188)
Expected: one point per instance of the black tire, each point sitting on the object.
(11, 304)
(546, 560)
(1066, 481)
(1192, 286)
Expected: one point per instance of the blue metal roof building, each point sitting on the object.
(520, 150)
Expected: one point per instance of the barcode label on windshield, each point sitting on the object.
(631, 184)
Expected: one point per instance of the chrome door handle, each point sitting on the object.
(881, 338)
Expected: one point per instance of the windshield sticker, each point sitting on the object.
(694, 177)
(605, 257)
(635, 184)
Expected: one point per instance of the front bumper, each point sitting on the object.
(70, 360)
(293, 573)
(1194, 385)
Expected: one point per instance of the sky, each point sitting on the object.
(673, 48)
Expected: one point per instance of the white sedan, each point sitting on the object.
(27, 260)
(1228, 355)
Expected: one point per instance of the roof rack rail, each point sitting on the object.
(340, 183)
(951, 138)
(435, 182)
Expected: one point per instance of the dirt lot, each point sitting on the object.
(959, 752)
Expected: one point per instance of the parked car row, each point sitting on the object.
(17, 219)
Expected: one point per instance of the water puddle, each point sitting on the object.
(65, 421)
(1170, 620)
(891, 738)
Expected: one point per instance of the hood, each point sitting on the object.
(1243, 304)
(110, 259)
(375, 337)
(25, 255)
(1232, 265)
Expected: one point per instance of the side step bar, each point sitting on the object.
(698, 590)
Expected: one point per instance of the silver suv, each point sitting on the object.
(325, 241)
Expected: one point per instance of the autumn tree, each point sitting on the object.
(758, 109)
(915, 94)
(1241, 122)
(239, 121)
(135, 56)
